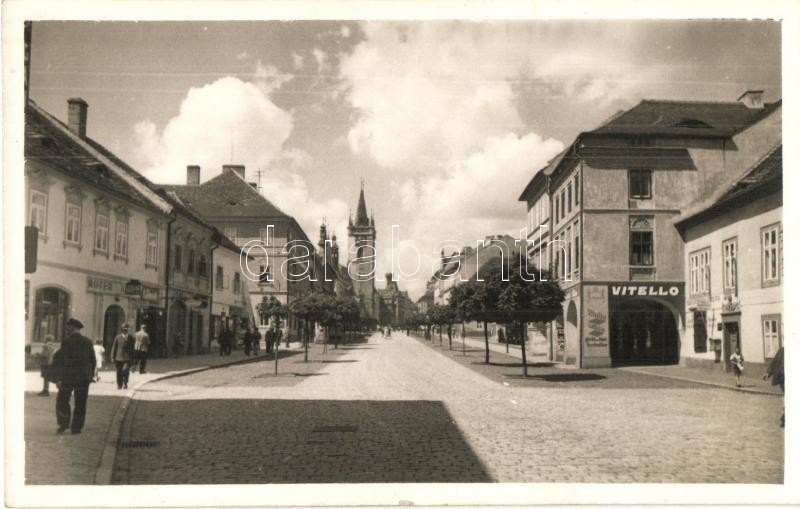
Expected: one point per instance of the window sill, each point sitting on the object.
(76, 245)
(151, 266)
(100, 252)
(770, 283)
(122, 258)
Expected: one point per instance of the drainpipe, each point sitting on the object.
(166, 286)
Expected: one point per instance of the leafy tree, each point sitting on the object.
(477, 300)
(271, 309)
(438, 315)
(522, 301)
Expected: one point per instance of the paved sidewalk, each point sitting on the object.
(751, 381)
(84, 459)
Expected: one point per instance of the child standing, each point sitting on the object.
(99, 354)
(737, 363)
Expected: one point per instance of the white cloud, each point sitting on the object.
(243, 56)
(321, 58)
(238, 117)
(269, 78)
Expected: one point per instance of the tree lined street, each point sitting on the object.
(393, 411)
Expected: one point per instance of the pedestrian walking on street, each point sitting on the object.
(75, 370)
(256, 340)
(775, 371)
(99, 353)
(141, 346)
(122, 355)
(269, 339)
(45, 361)
(247, 341)
(737, 363)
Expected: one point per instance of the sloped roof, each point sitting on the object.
(685, 118)
(226, 195)
(49, 140)
(766, 174)
(539, 177)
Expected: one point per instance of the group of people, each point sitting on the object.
(250, 339)
(386, 332)
(129, 352)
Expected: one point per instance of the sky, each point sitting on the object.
(445, 122)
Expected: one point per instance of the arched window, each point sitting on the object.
(52, 306)
(202, 266)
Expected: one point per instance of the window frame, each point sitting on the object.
(32, 207)
(122, 224)
(700, 275)
(151, 255)
(633, 243)
(636, 175)
(99, 231)
(776, 254)
(219, 278)
(730, 275)
(776, 318)
(72, 219)
(177, 259)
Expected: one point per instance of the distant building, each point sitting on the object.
(734, 270)
(396, 307)
(361, 258)
(237, 208)
(612, 197)
(463, 266)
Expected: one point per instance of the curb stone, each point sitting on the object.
(704, 382)
(105, 466)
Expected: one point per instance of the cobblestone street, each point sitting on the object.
(398, 411)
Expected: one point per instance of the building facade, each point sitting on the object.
(254, 224)
(97, 232)
(613, 197)
(734, 270)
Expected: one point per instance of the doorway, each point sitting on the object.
(730, 342)
(113, 320)
(644, 332)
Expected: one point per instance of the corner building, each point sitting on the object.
(611, 200)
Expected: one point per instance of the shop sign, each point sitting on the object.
(133, 287)
(645, 290)
(150, 293)
(99, 285)
(596, 333)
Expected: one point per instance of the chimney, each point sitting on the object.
(76, 116)
(235, 168)
(192, 175)
(753, 99)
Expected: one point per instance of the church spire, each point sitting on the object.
(361, 212)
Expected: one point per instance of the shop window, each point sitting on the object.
(50, 314)
(641, 248)
(771, 254)
(700, 273)
(700, 332)
(771, 330)
(640, 184)
(101, 233)
(38, 211)
(729, 249)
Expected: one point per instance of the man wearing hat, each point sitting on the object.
(122, 355)
(75, 375)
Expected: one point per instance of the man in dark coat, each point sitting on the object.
(75, 373)
(122, 355)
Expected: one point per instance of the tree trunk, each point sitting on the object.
(524, 355)
(305, 343)
(486, 339)
(463, 340)
(440, 336)
(276, 346)
(450, 335)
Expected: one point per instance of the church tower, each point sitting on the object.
(361, 252)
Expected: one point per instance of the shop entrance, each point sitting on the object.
(153, 318)
(643, 332)
(114, 318)
(177, 327)
(730, 342)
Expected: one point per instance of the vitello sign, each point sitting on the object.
(645, 291)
